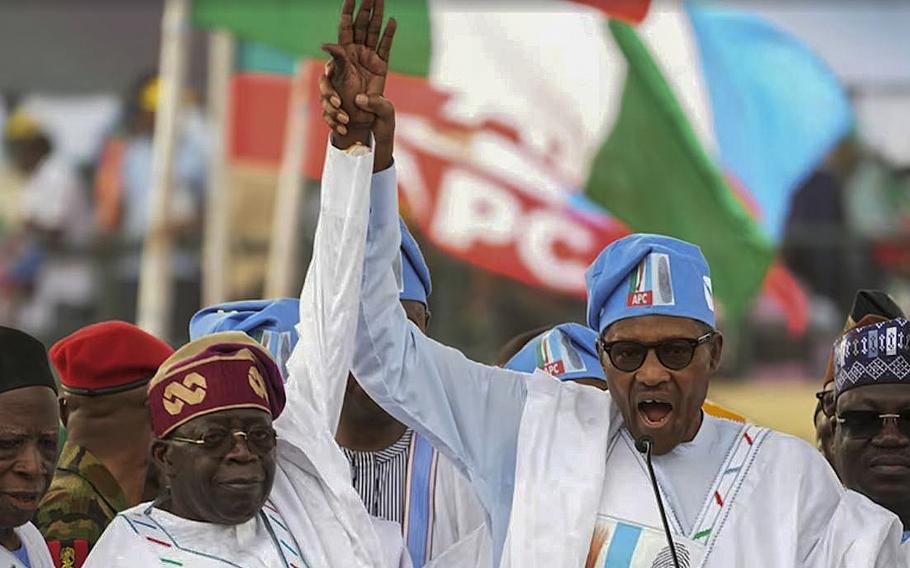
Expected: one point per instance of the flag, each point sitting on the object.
(778, 110)
(531, 135)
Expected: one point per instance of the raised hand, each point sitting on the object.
(383, 126)
(360, 61)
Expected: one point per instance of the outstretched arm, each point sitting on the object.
(469, 411)
(320, 363)
(328, 302)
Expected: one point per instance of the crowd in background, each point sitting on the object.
(72, 231)
(71, 234)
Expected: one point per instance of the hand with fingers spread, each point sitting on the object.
(354, 82)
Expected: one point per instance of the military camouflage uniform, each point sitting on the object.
(82, 500)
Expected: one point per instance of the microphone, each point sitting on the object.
(644, 444)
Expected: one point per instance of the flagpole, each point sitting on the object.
(155, 279)
(218, 199)
(289, 199)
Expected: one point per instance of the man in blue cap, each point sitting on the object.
(566, 351)
(555, 464)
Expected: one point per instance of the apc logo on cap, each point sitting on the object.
(652, 283)
(556, 356)
(189, 391)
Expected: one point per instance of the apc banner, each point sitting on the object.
(482, 193)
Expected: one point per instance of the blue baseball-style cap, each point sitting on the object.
(566, 352)
(642, 274)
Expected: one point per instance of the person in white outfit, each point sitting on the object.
(557, 465)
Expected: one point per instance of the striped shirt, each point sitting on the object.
(380, 478)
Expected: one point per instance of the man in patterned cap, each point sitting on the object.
(273, 323)
(28, 446)
(554, 463)
(869, 306)
(249, 480)
(871, 443)
(392, 467)
(104, 371)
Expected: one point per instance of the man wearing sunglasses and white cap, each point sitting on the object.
(556, 464)
(871, 443)
(558, 467)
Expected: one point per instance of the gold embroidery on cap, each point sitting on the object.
(257, 383)
(190, 391)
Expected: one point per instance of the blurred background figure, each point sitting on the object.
(122, 192)
(48, 270)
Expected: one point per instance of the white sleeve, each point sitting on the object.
(319, 365)
(469, 411)
(861, 533)
(389, 533)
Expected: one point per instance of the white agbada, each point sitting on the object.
(459, 537)
(38, 554)
(553, 463)
(314, 518)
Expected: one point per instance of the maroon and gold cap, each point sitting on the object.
(217, 372)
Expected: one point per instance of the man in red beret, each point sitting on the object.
(104, 467)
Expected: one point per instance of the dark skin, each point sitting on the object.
(364, 426)
(28, 453)
(877, 467)
(684, 390)
(591, 382)
(26, 155)
(353, 85)
(824, 435)
(207, 486)
(116, 428)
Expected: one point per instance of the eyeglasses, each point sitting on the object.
(826, 402)
(864, 424)
(674, 354)
(258, 440)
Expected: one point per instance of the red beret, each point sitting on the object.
(216, 372)
(107, 357)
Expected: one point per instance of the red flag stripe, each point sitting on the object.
(633, 11)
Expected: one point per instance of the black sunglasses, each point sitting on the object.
(864, 424)
(826, 402)
(674, 354)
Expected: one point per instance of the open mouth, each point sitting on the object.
(654, 413)
(23, 500)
